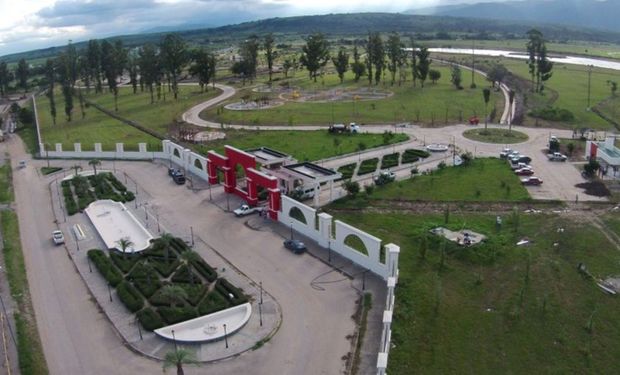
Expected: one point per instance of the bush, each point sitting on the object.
(150, 319)
(124, 262)
(194, 292)
(174, 315)
(389, 161)
(185, 275)
(214, 302)
(105, 267)
(205, 270)
(163, 267)
(553, 114)
(347, 171)
(352, 187)
(144, 277)
(115, 182)
(368, 166)
(130, 296)
(179, 245)
(226, 288)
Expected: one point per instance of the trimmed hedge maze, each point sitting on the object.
(81, 191)
(166, 284)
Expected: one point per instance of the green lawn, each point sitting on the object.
(158, 116)
(429, 105)
(6, 185)
(96, 127)
(302, 145)
(483, 180)
(484, 313)
(501, 136)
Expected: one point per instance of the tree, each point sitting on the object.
(22, 73)
(540, 68)
(286, 66)
(424, 64)
(315, 54)
(76, 168)
(270, 54)
(67, 76)
(133, 69)
(486, 95)
(174, 57)
(125, 243)
(174, 294)
(203, 67)
(352, 187)
(166, 240)
(570, 148)
(357, 67)
(94, 163)
(414, 61)
(497, 73)
(150, 67)
(50, 75)
(93, 56)
(189, 257)
(112, 63)
(511, 100)
(377, 57)
(249, 54)
(341, 62)
(177, 359)
(5, 78)
(434, 75)
(591, 168)
(395, 54)
(456, 76)
(613, 86)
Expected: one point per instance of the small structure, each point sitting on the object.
(607, 154)
(270, 158)
(306, 178)
(463, 237)
(113, 222)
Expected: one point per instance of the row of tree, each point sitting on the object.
(148, 67)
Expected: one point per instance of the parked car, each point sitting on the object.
(244, 209)
(296, 246)
(505, 152)
(58, 237)
(524, 172)
(516, 166)
(521, 159)
(384, 177)
(531, 181)
(177, 176)
(22, 164)
(556, 156)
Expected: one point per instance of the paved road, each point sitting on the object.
(77, 339)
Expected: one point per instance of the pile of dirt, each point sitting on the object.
(595, 188)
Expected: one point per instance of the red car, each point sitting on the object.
(531, 181)
(524, 172)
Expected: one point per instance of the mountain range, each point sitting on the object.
(599, 14)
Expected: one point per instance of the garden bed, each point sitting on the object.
(81, 191)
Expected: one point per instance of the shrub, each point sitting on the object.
(163, 267)
(368, 166)
(347, 171)
(389, 161)
(214, 302)
(194, 292)
(105, 267)
(553, 114)
(115, 182)
(124, 262)
(179, 245)
(205, 270)
(185, 275)
(145, 279)
(226, 288)
(150, 319)
(130, 296)
(174, 315)
(352, 187)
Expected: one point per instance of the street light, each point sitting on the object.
(225, 336)
(291, 230)
(174, 340)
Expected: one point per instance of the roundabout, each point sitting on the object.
(496, 135)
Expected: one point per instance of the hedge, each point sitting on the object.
(179, 245)
(150, 319)
(124, 261)
(389, 161)
(205, 270)
(130, 296)
(115, 182)
(214, 301)
(163, 267)
(105, 267)
(194, 292)
(368, 166)
(174, 315)
(226, 288)
(145, 278)
(347, 171)
(185, 275)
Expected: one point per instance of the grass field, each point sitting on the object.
(501, 136)
(6, 185)
(499, 308)
(567, 88)
(30, 351)
(302, 145)
(158, 116)
(429, 105)
(96, 127)
(483, 180)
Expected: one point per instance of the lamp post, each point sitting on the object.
(291, 230)
(260, 313)
(174, 340)
(261, 292)
(191, 232)
(110, 292)
(225, 336)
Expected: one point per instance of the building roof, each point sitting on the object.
(313, 172)
(268, 156)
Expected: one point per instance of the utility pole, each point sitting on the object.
(473, 62)
(589, 84)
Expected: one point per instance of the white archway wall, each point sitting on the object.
(308, 212)
(373, 246)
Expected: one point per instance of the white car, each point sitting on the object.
(58, 237)
(244, 209)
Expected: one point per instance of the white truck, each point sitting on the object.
(556, 156)
(244, 210)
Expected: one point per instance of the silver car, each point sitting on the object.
(58, 237)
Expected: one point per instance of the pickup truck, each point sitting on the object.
(556, 156)
(177, 176)
(385, 177)
(244, 209)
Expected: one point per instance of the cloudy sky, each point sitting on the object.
(31, 24)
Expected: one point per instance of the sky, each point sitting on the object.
(33, 24)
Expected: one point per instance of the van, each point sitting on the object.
(306, 192)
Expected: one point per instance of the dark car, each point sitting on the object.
(295, 246)
(521, 159)
(177, 176)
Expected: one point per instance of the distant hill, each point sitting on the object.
(587, 13)
(349, 25)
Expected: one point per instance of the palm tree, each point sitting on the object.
(125, 243)
(166, 240)
(174, 294)
(187, 258)
(178, 358)
(486, 94)
(94, 163)
(77, 168)
(511, 99)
